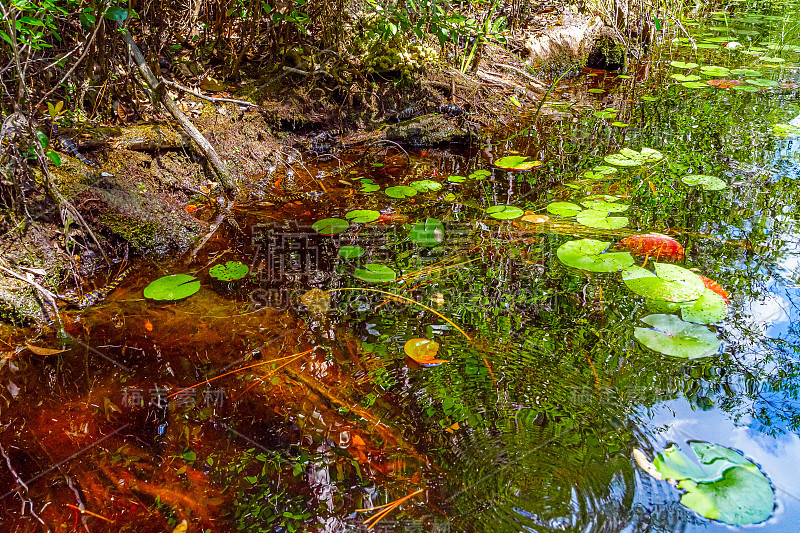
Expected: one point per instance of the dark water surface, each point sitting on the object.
(532, 423)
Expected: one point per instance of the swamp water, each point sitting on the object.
(551, 379)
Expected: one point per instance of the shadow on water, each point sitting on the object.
(532, 422)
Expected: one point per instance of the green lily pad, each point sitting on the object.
(564, 209)
(587, 254)
(682, 77)
(429, 233)
(171, 288)
(670, 282)
(369, 187)
(600, 172)
(330, 226)
(696, 85)
(631, 158)
(708, 183)
(750, 73)
(773, 59)
(662, 306)
(400, 191)
(351, 252)
(457, 179)
(715, 71)
(230, 271)
(606, 114)
(620, 124)
(517, 162)
(362, 216)
(597, 91)
(374, 273)
(708, 46)
(721, 485)
(709, 308)
(673, 463)
(762, 83)
(600, 219)
(504, 212)
(681, 64)
(673, 336)
(426, 185)
(605, 206)
(480, 174)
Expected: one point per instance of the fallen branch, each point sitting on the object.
(208, 98)
(156, 87)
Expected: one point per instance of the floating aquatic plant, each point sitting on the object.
(374, 273)
(631, 158)
(400, 191)
(428, 233)
(517, 162)
(708, 183)
(590, 254)
(230, 271)
(720, 484)
(172, 287)
(654, 245)
(672, 336)
(330, 226)
(423, 352)
(504, 212)
(351, 252)
(670, 282)
(362, 216)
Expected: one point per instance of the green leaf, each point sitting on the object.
(189, 456)
(681, 64)
(631, 158)
(722, 485)
(429, 233)
(772, 59)
(673, 463)
(504, 212)
(671, 283)
(696, 85)
(330, 226)
(374, 273)
(44, 140)
(230, 271)
(426, 185)
(762, 83)
(606, 206)
(480, 174)
(362, 216)
(54, 158)
(351, 252)
(709, 183)
(564, 209)
(171, 288)
(517, 162)
(682, 78)
(587, 254)
(369, 187)
(457, 179)
(400, 191)
(600, 219)
(715, 71)
(709, 308)
(673, 336)
(750, 73)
